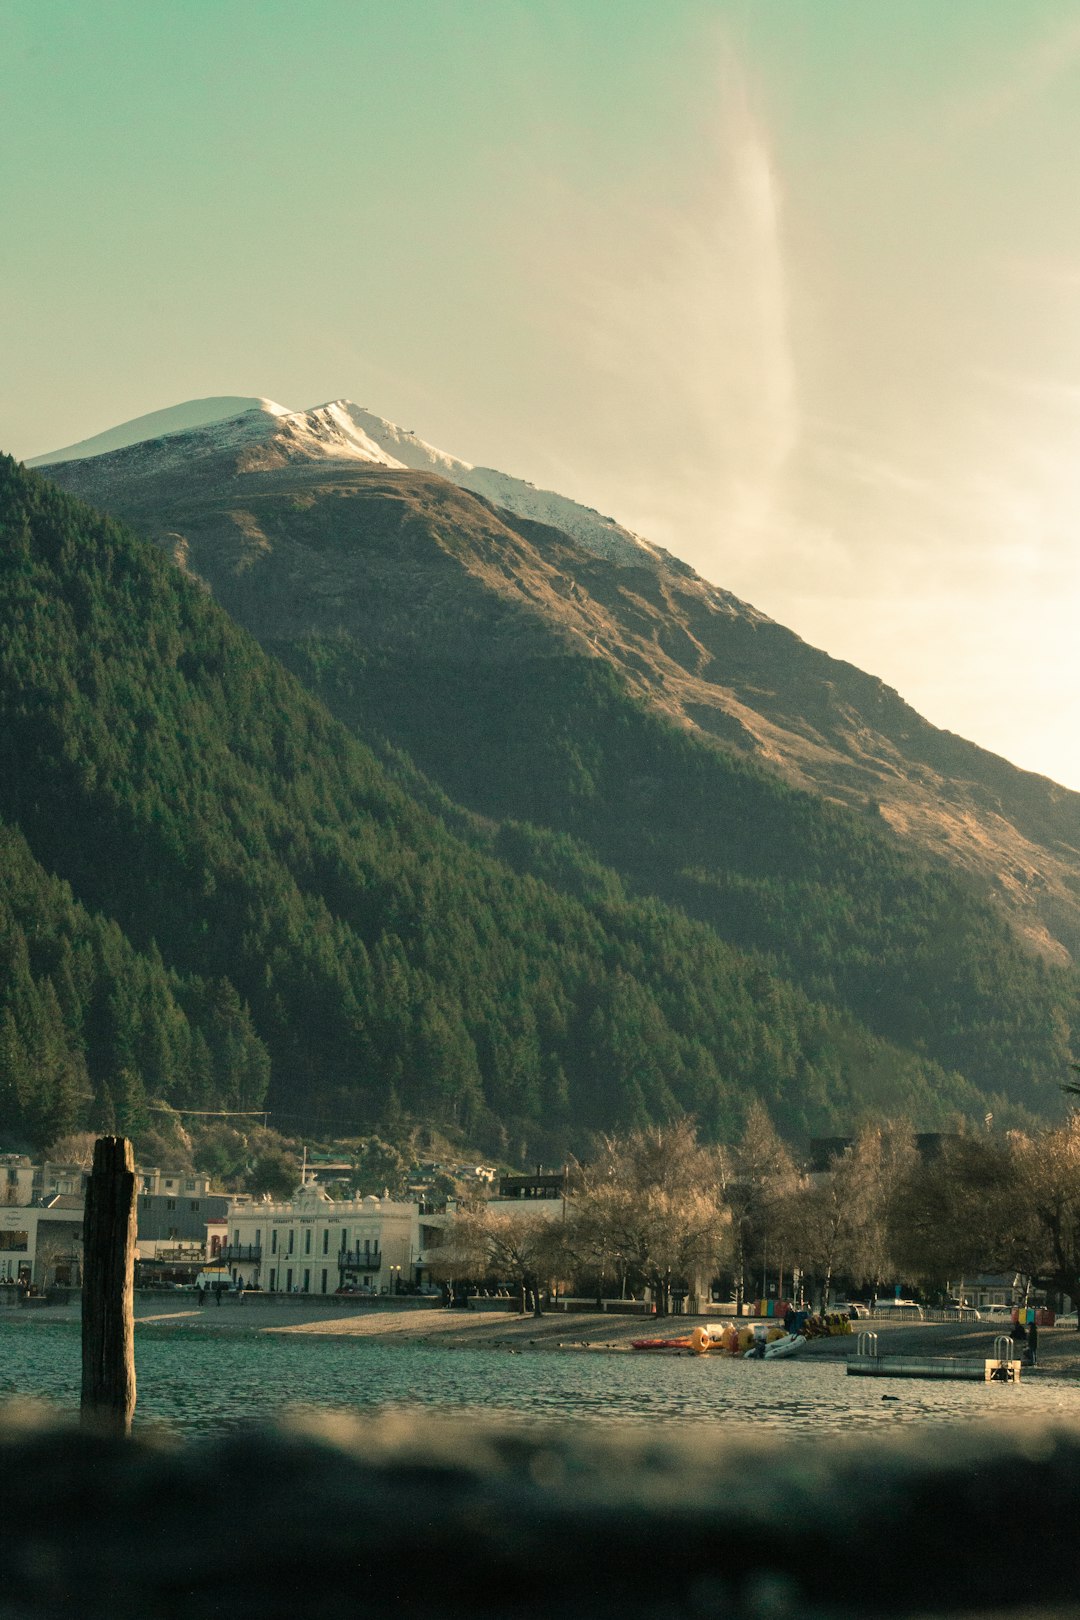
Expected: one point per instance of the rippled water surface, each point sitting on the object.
(203, 1383)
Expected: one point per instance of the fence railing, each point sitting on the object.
(358, 1260)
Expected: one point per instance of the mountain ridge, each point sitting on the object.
(702, 657)
(181, 806)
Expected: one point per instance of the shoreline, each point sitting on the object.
(404, 1324)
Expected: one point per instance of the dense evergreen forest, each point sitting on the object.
(216, 894)
(858, 922)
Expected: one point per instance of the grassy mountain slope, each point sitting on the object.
(502, 659)
(207, 876)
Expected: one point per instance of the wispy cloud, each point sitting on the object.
(678, 302)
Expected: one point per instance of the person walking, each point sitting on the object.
(1033, 1345)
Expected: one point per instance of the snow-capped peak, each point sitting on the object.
(341, 431)
(194, 413)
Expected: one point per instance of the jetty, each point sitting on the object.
(1000, 1368)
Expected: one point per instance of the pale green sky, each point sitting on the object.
(790, 286)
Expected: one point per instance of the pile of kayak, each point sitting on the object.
(762, 1341)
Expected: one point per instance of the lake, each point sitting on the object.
(203, 1383)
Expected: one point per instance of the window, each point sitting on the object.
(344, 1237)
(292, 1240)
(170, 1203)
(273, 1280)
(307, 1240)
(325, 1245)
(258, 1237)
(236, 1237)
(194, 1203)
(14, 1240)
(324, 1280)
(273, 1245)
(307, 1282)
(146, 1203)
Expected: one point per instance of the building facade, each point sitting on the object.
(312, 1245)
(41, 1247)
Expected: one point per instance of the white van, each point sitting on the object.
(214, 1279)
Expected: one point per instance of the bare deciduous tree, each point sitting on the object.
(649, 1205)
(954, 1211)
(481, 1243)
(756, 1177)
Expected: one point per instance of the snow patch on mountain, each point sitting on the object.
(598, 534)
(330, 432)
(342, 431)
(194, 413)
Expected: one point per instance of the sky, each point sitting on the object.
(791, 287)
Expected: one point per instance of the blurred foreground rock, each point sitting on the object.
(416, 1515)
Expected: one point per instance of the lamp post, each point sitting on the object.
(395, 1280)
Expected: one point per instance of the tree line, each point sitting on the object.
(657, 1208)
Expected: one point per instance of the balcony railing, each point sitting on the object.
(358, 1260)
(239, 1251)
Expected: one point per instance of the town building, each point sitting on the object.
(41, 1219)
(22, 1182)
(41, 1245)
(544, 1193)
(311, 1244)
(166, 1220)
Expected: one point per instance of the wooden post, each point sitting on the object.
(108, 1316)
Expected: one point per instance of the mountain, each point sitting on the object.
(177, 419)
(695, 652)
(217, 896)
(560, 686)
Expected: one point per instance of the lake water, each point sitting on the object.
(203, 1383)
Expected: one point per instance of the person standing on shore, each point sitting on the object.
(1033, 1345)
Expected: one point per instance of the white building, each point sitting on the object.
(42, 1247)
(312, 1245)
(173, 1183)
